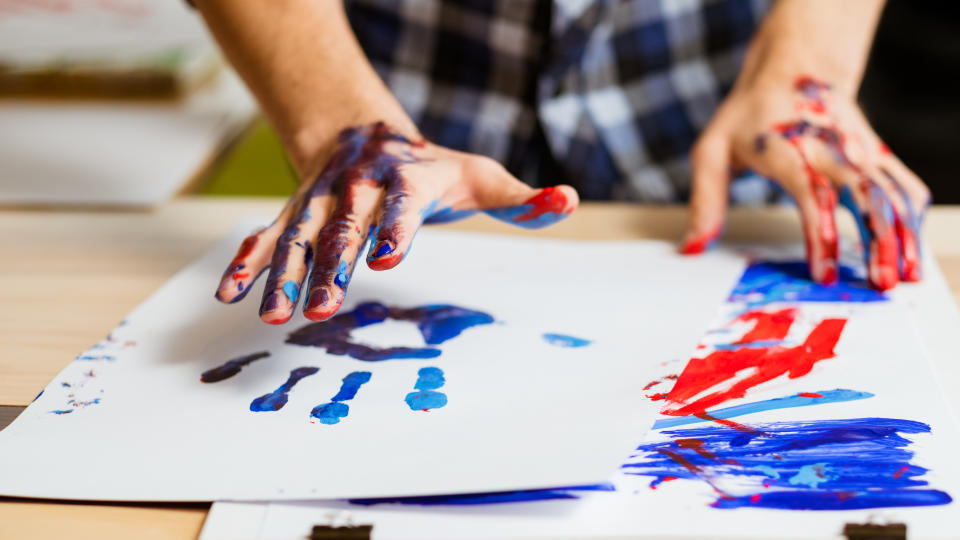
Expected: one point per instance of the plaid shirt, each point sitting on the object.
(606, 95)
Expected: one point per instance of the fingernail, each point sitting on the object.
(380, 249)
(319, 306)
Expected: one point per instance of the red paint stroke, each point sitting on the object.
(900, 471)
(245, 248)
(728, 423)
(657, 397)
(549, 200)
(766, 363)
(810, 394)
(768, 325)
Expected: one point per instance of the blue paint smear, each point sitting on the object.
(864, 463)
(341, 279)
(292, 291)
(231, 367)
(767, 282)
(561, 340)
(274, 401)
(333, 412)
(796, 400)
(446, 215)
(428, 380)
(511, 213)
(751, 345)
(437, 323)
(500, 497)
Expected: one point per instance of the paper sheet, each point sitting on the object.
(862, 437)
(510, 406)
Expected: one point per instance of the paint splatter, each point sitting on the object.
(274, 401)
(333, 412)
(231, 367)
(808, 465)
(563, 340)
(437, 324)
(429, 379)
(767, 282)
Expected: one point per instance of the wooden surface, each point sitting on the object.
(68, 277)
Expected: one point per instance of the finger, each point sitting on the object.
(292, 258)
(710, 165)
(404, 209)
(338, 245)
(250, 261)
(502, 196)
(906, 226)
(874, 216)
(908, 223)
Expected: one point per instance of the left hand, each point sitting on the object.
(792, 117)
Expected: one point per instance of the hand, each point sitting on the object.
(817, 145)
(376, 183)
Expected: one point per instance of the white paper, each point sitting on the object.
(521, 413)
(885, 349)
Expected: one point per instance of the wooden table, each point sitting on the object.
(67, 278)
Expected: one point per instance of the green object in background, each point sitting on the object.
(256, 165)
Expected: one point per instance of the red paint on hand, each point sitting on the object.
(698, 244)
(549, 200)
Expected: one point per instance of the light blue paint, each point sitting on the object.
(562, 340)
(292, 291)
(796, 400)
(768, 470)
(428, 380)
(811, 476)
(340, 280)
(333, 412)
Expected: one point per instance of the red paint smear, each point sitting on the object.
(651, 384)
(900, 472)
(810, 394)
(755, 498)
(238, 275)
(885, 150)
(766, 363)
(657, 397)
(767, 325)
(697, 446)
(245, 248)
(729, 423)
(549, 200)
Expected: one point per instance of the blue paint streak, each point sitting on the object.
(428, 380)
(446, 215)
(384, 249)
(749, 345)
(796, 400)
(274, 401)
(864, 463)
(292, 291)
(562, 340)
(767, 282)
(511, 213)
(500, 497)
(331, 413)
(439, 323)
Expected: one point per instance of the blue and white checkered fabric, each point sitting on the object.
(605, 95)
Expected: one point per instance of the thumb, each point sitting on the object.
(508, 199)
(710, 165)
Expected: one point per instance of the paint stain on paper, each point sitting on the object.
(766, 282)
(429, 379)
(231, 367)
(333, 412)
(563, 340)
(437, 323)
(274, 401)
(807, 465)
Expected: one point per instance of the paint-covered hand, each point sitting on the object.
(382, 185)
(816, 144)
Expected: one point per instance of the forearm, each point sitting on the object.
(302, 61)
(823, 38)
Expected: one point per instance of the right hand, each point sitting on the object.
(377, 183)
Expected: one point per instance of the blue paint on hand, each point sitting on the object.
(562, 340)
(428, 380)
(766, 282)
(796, 400)
(842, 464)
(341, 279)
(292, 291)
(383, 249)
(231, 367)
(274, 401)
(437, 324)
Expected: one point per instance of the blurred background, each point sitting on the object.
(127, 103)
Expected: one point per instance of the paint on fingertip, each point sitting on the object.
(382, 249)
(292, 291)
(702, 243)
(563, 340)
(341, 278)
